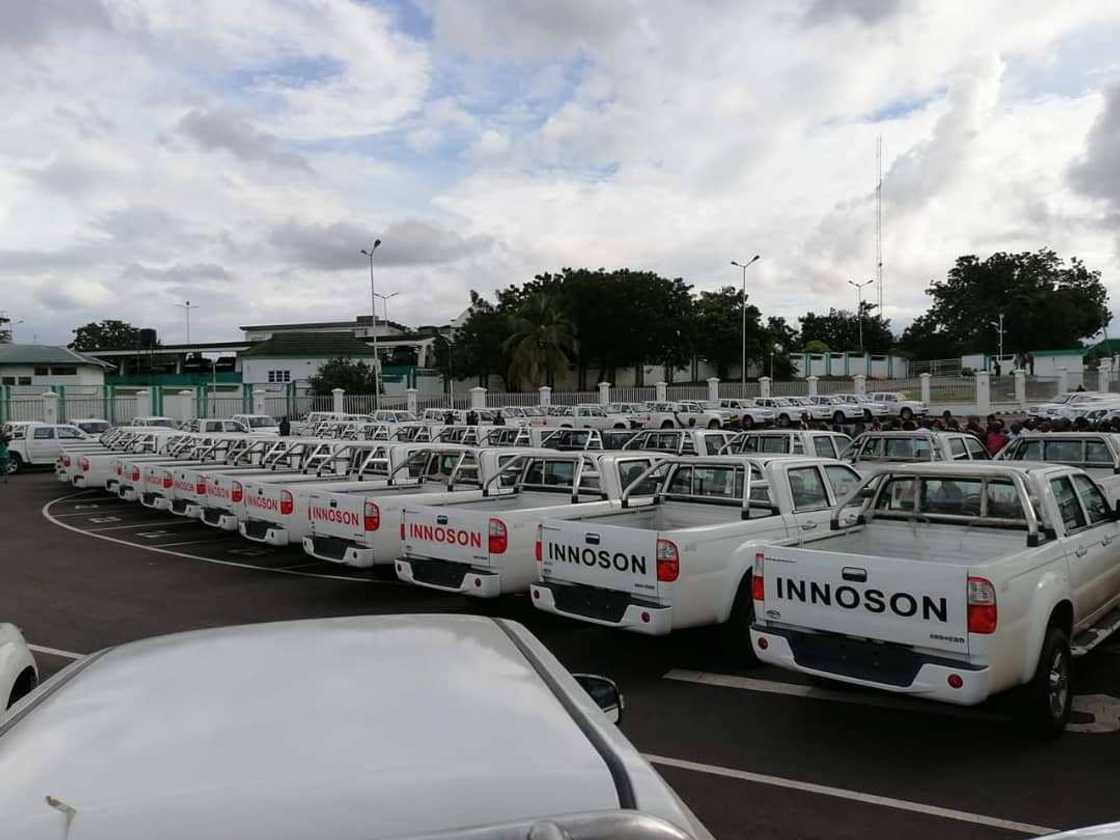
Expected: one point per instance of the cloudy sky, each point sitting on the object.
(240, 154)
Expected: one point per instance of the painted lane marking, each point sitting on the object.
(812, 692)
(210, 541)
(101, 520)
(145, 524)
(157, 549)
(1104, 708)
(56, 652)
(853, 796)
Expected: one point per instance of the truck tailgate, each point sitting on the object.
(910, 602)
(607, 556)
(444, 533)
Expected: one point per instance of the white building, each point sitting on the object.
(47, 366)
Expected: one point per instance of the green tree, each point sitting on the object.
(540, 344)
(815, 346)
(106, 335)
(352, 376)
(478, 348)
(1045, 303)
(840, 328)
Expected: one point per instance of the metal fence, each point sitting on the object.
(793, 388)
(1041, 388)
(633, 394)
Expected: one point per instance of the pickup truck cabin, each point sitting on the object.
(679, 441)
(684, 559)
(1098, 454)
(778, 442)
(959, 581)
(872, 450)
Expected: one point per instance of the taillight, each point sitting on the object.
(402, 529)
(65, 460)
(499, 539)
(83, 464)
(983, 614)
(135, 474)
(758, 582)
(167, 480)
(372, 519)
(668, 561)
(200, 486)
(118, 468)
(287, 503)
(537, 551)
(236, 492)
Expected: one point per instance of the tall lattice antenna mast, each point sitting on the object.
(879, 220)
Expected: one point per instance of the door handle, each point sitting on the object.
(808, 526)
(1081, 551)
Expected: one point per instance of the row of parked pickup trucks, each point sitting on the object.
(898, 562)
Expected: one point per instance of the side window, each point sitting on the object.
(842, 480)
(1065, 451)
(1095, 504)
(872, 448)
(1097, 454)
(44, 433)
(1027, 450)
(681, 483)
(825, 447)
(65, 433)
(898, 495)
(1070, 508)
(628, 471)
(976, 450)
(807, 489)
(774, 444)
(957, 450)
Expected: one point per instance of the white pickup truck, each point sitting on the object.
(836, 410)
(685, 560)
(1097, 453)
(587, 417)
(363, 529)
(680, 441)
(874, 451)
(102, 470)
(788, 442)
(687, 414)
(900, 404)
(35, 444)
(275, 508)
(962, 580)
(144, 478)
(485, 547)
(747, 413)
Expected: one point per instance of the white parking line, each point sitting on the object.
(146, 524)
(45, 510)
(812, 692)
(210, 541)
(56, 652)
(853, 795)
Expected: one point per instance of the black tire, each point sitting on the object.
(838, 417)
(783, 421)
(747, 422)
(668, 424)
(15, 463)
(23, 686)
(1047, 699)
(619, 426)
(714, 424)
(736, 631)
(867, 414)
(906, 414)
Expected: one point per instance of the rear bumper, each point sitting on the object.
(79, 480)
(263, 532)
(127, 493)
(928, 677)
(602, 606)
(218, 518)
(447, 576)
(337, 550)
(155, 501)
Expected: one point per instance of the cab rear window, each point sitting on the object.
(995, 501)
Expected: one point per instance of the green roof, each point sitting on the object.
(45, 354)
(316, 345)
(1109, 345)
(1074, 351)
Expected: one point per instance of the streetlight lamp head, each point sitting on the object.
(376, 244)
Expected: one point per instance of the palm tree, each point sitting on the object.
(540, 344)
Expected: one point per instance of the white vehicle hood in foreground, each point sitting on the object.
(351, 728)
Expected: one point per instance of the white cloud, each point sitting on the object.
(242, 153)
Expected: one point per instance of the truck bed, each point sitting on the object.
(670, 516)
(949, 544)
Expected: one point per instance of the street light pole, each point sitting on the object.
(373, 313)
(1001, 338)
(385, 304)
(744, 266)
(188, 306)
(859, 307)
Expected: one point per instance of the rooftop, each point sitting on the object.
(310, 344)
(45, 354)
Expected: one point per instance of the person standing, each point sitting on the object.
(285, 426)
(996, 438)
(4, 438)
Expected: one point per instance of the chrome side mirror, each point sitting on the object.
(605, 693)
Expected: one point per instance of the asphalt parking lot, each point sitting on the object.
(756, 753)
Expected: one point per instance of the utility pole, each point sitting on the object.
(744, 266)
(859, 306)
(1001, 338)
(188, 306)
(373, 314)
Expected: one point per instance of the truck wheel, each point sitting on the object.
(619, 426)
(668, 424)
(867, 414)
(906, 414)
(1047, 699)
(22, 687)
(783, 421)
(747, 422)
(714, 424)
(838, 418)
(736, 631)
(15, 463)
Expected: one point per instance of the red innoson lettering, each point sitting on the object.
(262, 502)
(439, 534)
(328, 514)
